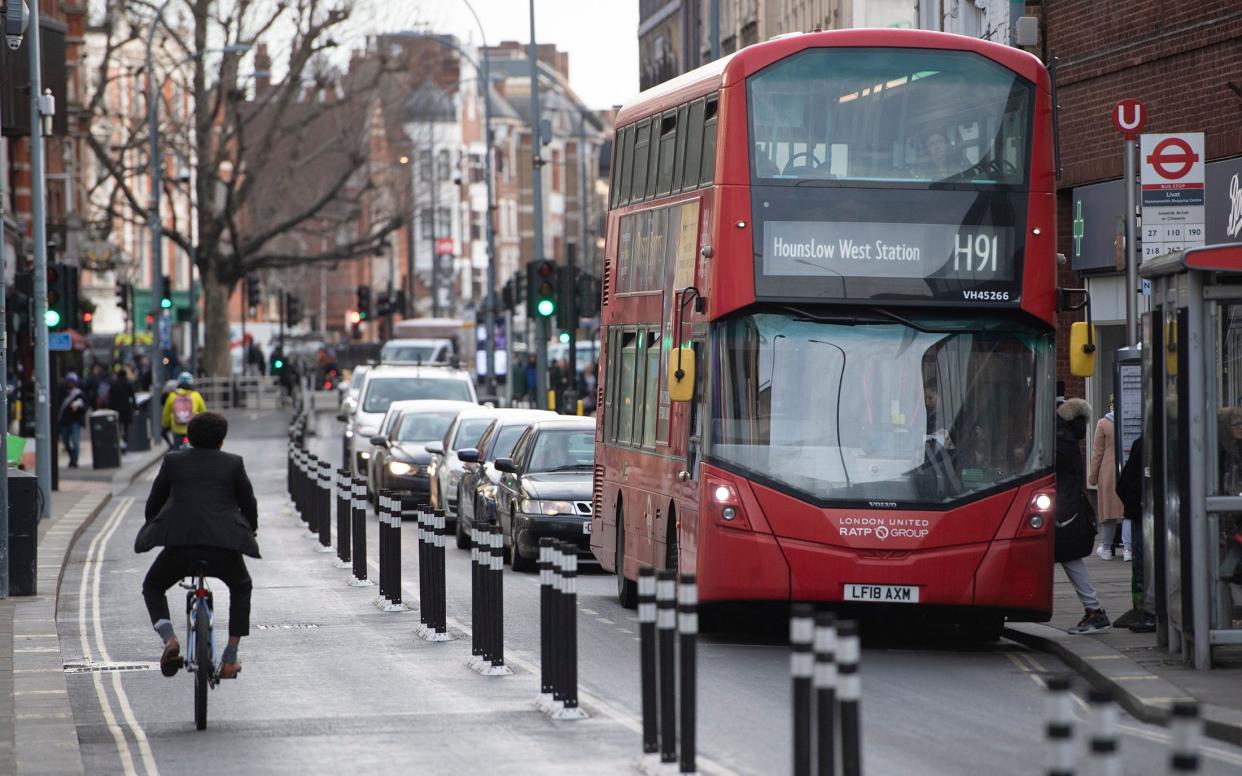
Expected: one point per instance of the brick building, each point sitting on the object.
(1184, 62)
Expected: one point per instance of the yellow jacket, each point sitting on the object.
(195, 397)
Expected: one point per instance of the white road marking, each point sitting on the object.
(144, 747)
(122, 746)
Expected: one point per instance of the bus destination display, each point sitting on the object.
(974, 254)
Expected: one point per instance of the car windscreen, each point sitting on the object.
(469, 430)
(382, 391)
(505, 440)
(423, 426)
(563, 450)
(409, 353)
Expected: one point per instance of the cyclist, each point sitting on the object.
(182, 404)
(201, 508)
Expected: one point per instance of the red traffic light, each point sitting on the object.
(87, 317)
(545, 270)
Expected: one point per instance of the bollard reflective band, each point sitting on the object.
(687, 607)
(666, 617)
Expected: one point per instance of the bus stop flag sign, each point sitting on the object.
(1172, 181)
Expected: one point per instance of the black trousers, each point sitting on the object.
(174, 563)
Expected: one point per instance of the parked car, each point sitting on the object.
(349, 403)
(544, 489)
(384, 384)
(400, 459)
(476, 492)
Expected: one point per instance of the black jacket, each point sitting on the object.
(1130, 483)
(201, 498)
(1071, 475)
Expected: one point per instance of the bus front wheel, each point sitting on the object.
(627, 590)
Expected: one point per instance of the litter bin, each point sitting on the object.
(140, 427)
(23, 532)
(105, 439)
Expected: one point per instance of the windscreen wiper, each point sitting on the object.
(571, 467)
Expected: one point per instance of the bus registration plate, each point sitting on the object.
(896, 594)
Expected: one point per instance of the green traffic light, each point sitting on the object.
(564, 338)
(278, 364)
(545, 308)
(166, 303)
(52, 318)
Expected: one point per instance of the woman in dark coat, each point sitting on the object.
(1073, 508)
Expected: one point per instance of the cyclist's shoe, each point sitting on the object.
(171, 661)
(230, 670)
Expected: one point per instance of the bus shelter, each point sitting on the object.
(1192, 430)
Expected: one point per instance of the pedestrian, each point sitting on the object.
(71, 417)
(180, 408)
(1130, 491)
(518, 389)
(589, 383)
(532, 381)
(558, 381)
(1076, 523)
(1103, 477)
(201, 509)
(121, 399)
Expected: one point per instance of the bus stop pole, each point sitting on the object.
(1131, 246)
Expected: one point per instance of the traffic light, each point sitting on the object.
(364, 302)
(293, 310)
(166, 299)
(566, 290)
(398, 304)
(123, 296)
(383, 305)
(564, 338)
(62, 297)
(507, 295)
(542, 285)
(254, 294)
(87, 319)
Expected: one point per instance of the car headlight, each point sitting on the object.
(431, 469)
(540, 507)
(364, 455)
(349, 433)
(399, 468)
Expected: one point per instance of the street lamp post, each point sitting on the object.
(157, 237)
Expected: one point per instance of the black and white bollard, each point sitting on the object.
(825, 684)
(1185, 733)
(1103, 743)
(390, 578)
(313, 505)
(666, 625)
(434, 626)
(381, 516)
(491, 662)
(567, 676)
(358, 525)
(344, 513)
(801, 668)
(324, 494)
(849, 696)
(1059, 727)
(422, 530)
(478, 617)
(544, 564)
(688, 630)
(647, 658)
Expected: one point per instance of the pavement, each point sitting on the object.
(38, 732)
(1145, 678)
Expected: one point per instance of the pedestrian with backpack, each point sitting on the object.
(180, 408)
(1076, 520)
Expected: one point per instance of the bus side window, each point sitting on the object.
(708, 169)
(642, 143)
(627, 146)
(679, 156)
(668, 143)
(694, 146)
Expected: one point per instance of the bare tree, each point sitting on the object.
(284, 174)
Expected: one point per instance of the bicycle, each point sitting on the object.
(200, 643)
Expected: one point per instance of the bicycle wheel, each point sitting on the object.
(202, 665)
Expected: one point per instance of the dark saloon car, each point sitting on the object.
(545, 489)
(400, 457)
(476, 491)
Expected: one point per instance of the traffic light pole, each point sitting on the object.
(157, 237)
(43, 420)
(541, 323)
(4, 405)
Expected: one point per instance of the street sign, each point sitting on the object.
(444, 246)
(1129, 116)
(1172, 183)
(59, 340)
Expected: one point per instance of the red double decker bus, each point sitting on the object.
(828, 346)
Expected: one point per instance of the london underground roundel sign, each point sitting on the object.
(1129, 116)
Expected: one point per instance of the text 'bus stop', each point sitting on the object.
(1192, 506)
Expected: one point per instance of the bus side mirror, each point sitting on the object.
(681, 375)
(1082, 349)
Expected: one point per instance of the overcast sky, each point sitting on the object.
(601, 36)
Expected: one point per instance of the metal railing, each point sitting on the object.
(237, 392)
